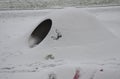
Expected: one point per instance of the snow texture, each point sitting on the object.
(83, 43)
(43, 4)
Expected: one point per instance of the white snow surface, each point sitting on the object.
(90, 43)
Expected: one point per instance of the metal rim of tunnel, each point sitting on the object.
(39, 33)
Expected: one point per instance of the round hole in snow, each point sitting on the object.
(40, 32)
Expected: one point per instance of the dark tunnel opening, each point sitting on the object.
(40, 32)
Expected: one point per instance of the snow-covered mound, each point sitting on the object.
(71, 43)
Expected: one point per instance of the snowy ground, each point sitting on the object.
(42, 4)
(91, 50)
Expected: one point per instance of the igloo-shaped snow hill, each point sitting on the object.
(72, 26)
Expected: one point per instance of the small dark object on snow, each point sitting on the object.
(50, 56)
(101, 70)
(59, 35)
(52, 76)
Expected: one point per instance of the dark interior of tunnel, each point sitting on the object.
(40, 32)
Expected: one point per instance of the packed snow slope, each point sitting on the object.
(80, 43)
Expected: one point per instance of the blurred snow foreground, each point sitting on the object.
(69, 43)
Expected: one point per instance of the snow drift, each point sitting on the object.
(73, 27)
(70, 43)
